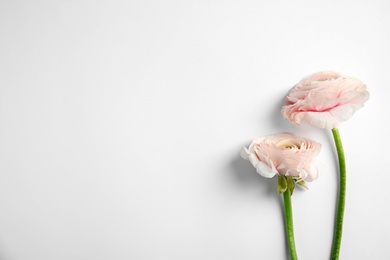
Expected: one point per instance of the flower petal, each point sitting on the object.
(264, 170)
(244, 153)
(321, 119)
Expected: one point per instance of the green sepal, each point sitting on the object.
(282, 184)
(290, 184)
(303, 184)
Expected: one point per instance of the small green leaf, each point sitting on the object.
(290, 184)
(282, 184)
(303, 184)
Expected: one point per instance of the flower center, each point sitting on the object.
(289, 146)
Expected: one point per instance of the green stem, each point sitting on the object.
(341, 197)
(289, 224)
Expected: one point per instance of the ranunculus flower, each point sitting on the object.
(284, 154)
(324, 99)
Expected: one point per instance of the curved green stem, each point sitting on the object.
(341, 197)
(289, 224)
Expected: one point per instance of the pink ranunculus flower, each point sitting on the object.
(284, 154)
(324, 99)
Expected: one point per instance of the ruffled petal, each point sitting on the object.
(321, 119)
(244, 153)
(264, 170)
(343, 113)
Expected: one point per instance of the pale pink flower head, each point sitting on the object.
(324, 99)
(284, 154)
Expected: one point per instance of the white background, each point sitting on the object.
(121, 124)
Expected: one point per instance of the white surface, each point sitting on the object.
(121, 124)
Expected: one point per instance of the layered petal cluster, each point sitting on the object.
(324, 99)
(284, 154)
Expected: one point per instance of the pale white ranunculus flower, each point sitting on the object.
(284, 154)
